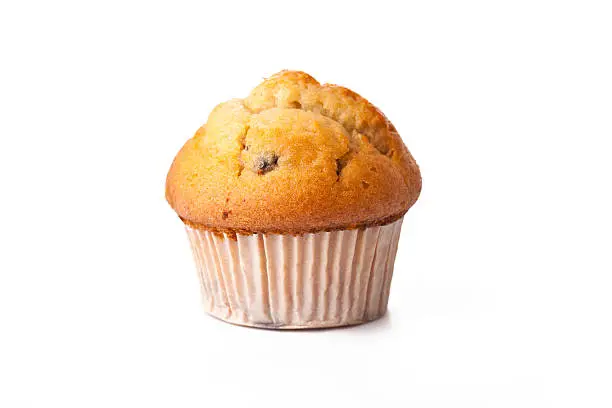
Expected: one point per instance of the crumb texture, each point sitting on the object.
(294, 156)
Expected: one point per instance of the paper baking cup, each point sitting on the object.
(324, 279)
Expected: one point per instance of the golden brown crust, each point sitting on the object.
(293, 157)
(231, 232)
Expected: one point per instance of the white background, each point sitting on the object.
(502, 290)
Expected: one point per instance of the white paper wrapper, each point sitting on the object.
(316, 280)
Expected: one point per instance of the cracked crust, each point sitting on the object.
(294, 156)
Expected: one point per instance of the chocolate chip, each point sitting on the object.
(265, 163)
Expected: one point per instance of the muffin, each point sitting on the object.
(293, 200)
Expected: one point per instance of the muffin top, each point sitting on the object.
(294, 156)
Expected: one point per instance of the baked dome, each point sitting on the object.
(294, 156)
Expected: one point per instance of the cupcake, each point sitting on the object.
(293, 200)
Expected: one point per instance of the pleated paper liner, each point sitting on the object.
(324, 279)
